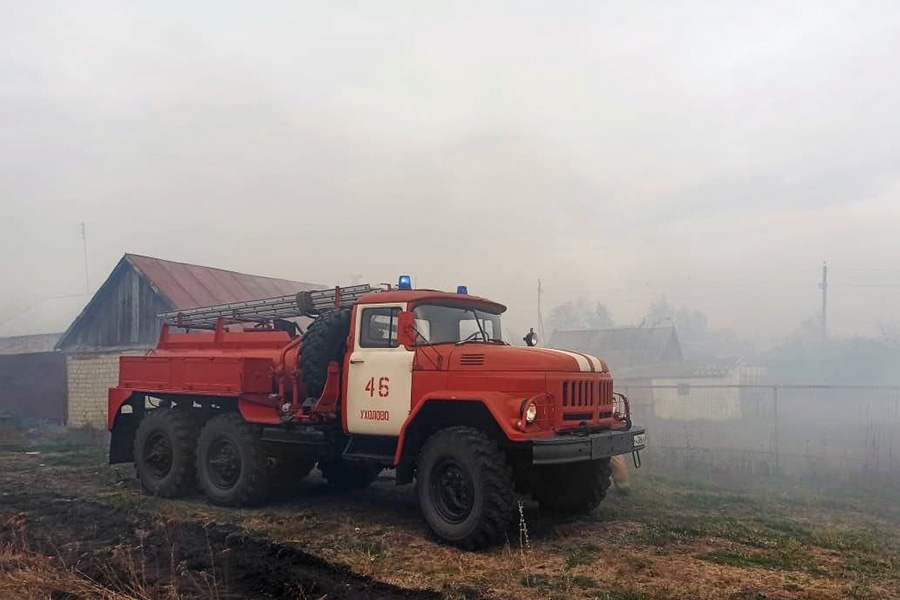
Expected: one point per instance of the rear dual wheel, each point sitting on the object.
(164, 448)
(226, 459)
(232, 466)
(172, 454)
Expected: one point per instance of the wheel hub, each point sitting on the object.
(452, 491)
(223, 463)
(158, 454)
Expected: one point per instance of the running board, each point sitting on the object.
(301, 440)
(381, 459)
(371, 448)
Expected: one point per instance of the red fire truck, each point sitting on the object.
(237, 396)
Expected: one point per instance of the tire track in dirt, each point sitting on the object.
(130, 550)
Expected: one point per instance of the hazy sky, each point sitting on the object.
(715, 152)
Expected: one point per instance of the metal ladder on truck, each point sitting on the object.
(268, 310)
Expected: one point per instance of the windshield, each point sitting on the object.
(454, 324)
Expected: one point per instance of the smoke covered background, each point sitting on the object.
(710, 153)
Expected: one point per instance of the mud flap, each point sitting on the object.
(121, 443)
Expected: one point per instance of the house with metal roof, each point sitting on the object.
(649, 366)
(121, 318)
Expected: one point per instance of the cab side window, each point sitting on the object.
(379, 327)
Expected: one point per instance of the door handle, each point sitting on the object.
(356, 361)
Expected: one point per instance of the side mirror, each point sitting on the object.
(406, 329)
(530, 338)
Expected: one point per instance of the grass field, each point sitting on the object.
(673, 537)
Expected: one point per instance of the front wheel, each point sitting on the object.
(232, 467)
(465, 488)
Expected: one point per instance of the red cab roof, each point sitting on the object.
(432, 297)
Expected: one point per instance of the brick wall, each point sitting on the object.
(90, 375)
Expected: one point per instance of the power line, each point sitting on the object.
(851, 269)
(842, 284)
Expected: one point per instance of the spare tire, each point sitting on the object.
(324, 341)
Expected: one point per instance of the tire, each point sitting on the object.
(347, 476)
(324, 341)
(232, 466)
(465, 488)
(287, 473)
(164, 447)
(575, 488)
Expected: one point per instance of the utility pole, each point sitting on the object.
(540, 313)
(824, 287)
(87, 281)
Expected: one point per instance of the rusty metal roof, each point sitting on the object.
(123, 311)
(190, 286)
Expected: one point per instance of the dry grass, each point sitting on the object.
(671, 538)
(123, 575)
(29, 575)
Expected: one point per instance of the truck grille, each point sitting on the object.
(585, 399)
(585, 392)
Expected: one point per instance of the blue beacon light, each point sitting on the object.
(405, 283)
(461, 289)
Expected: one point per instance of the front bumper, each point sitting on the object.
(576, 447)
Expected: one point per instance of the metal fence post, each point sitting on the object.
(775, 432)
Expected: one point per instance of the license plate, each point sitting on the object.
(639, 439)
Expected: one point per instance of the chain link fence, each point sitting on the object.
(828, 431)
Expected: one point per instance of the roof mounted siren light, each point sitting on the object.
(461, 289)
(405, 283)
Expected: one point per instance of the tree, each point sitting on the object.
(889, 332)
(580, 315)
(690, 323)
(838, 361)
(808, 333)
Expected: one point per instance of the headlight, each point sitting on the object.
(530, 413)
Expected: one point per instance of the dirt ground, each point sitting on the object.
(73, 527)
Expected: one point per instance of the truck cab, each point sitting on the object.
(420, 381)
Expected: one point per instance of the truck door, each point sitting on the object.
(379, 383)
